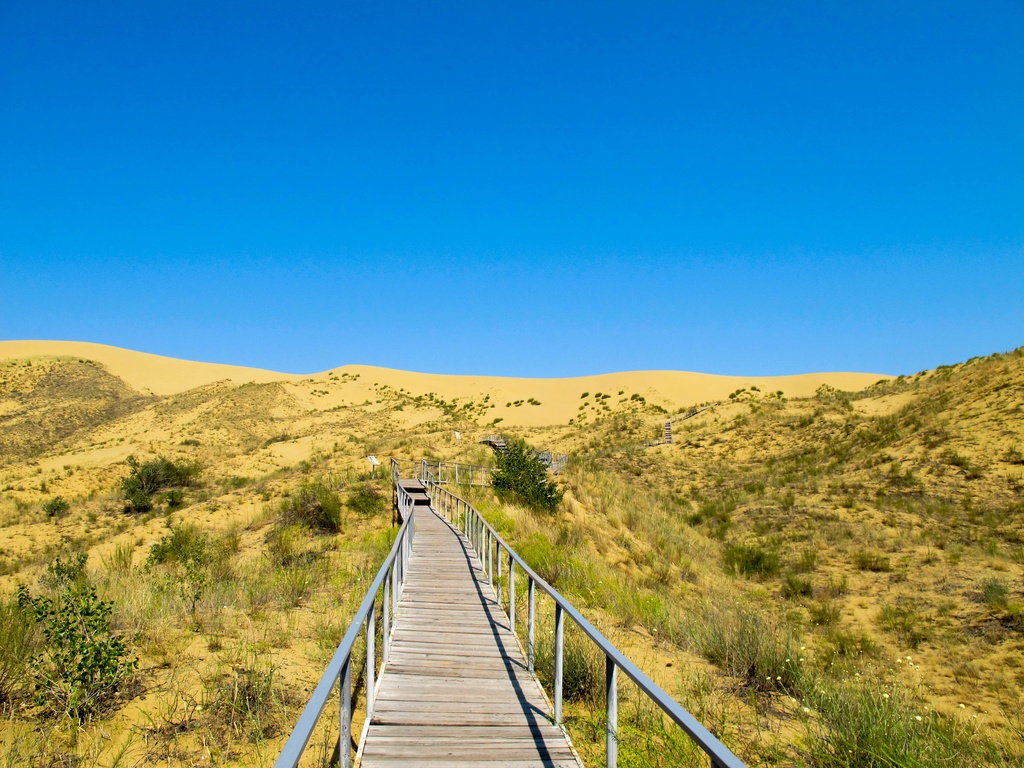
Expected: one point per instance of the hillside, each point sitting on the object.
(866, 518)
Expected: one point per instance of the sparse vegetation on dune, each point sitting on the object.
(828, 580)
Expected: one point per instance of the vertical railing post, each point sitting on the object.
(345, 715)
(497, 581)
(394, 587)
(559, 658)
(511, 593)
(385, 610)
(531, 616)
(611, 718)
(371, 655)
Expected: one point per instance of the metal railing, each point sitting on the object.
(490, 548)
(390, 577)
(445, 472)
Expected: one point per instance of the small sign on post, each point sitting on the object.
(374, 463)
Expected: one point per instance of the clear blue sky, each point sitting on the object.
(539, 189)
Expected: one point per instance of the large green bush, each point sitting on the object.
(522, 478)
(146, 479)
(82, 665)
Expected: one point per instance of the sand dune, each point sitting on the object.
(559, 399)
(140, 370)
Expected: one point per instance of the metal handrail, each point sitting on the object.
(488, 545)
(448, 471)
(392, 577)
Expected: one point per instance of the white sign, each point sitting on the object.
(373, 460)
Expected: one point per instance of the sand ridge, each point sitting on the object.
(515, 401)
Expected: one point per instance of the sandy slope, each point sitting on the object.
(140, 370)
(559, 398)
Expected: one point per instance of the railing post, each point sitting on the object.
(394, 587)
(371, 655)
(512, 593)
(497, 581)
(559, 654)
(385, 610)
(611, 718)
(531, 615)
(345, 715)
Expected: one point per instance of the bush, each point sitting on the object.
(146, 479)
(366, 499)
(315, 506)
(56, 507)
(995, 593)
(795, 586)
(82, 665)
(521, 477)
(184, 544)
(751, 561)
(871, 561)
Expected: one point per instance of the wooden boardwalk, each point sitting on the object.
(456, 689)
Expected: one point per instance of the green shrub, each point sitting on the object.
(521, 477)
(146, 479)
(313, 505)
(871, 561)
(188, 552)
(794, 586)
(366, 499)
(751, 561)
(56, 506)
(186, 543)
(995, 593)
(82, 665)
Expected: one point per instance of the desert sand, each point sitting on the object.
(555, 401)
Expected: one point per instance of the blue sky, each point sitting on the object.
(530, 189)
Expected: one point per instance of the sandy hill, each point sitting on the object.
(515, 401)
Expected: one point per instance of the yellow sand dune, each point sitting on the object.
(559, 399)
(141, 370)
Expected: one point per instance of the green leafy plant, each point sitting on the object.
(146, 479)
(521, 477)
(57, 506)
(82, 665)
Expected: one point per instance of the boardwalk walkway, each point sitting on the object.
(455, 689)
